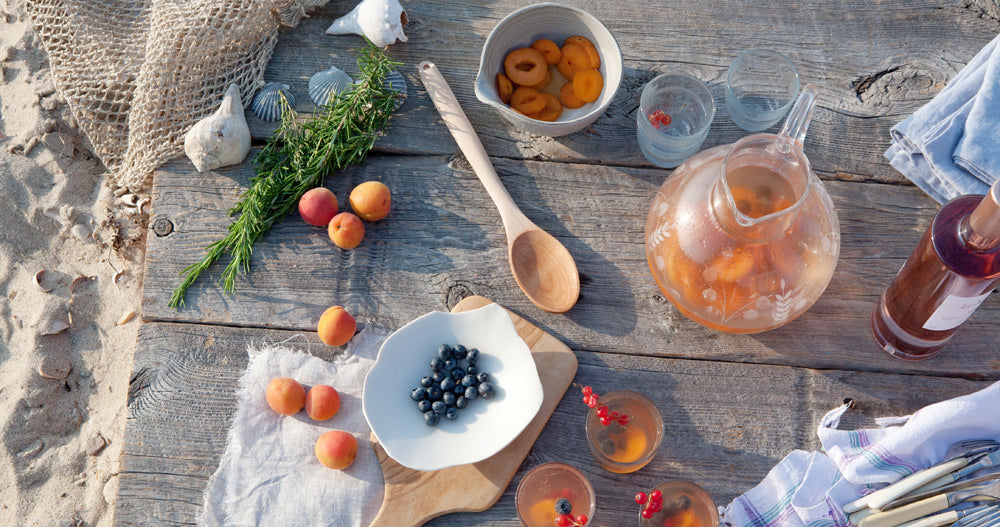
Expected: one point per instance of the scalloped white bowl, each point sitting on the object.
(483, 428)
(555, 22)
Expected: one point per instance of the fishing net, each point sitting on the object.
(137, 74)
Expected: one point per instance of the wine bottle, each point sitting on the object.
(950, 273)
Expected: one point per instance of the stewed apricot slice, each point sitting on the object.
(504, 88)
(588, 84)
(545, 81)
(527, 100)
(525, 66)
(574, 58)
(548, 49)
(551, 111)
(589, 47)
(568, 98)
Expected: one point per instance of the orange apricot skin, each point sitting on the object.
(574, 58)
(336, 449)
(527, 100)
(588, 46)
(568, 98)
(371, 200)
(548, 49)
(588, 84)
(285, 395)
(318, 206)
(336, 327)
(346, 230)
(322, 402)
(525, 66)
(504, 88)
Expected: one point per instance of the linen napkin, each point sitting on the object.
(951, 146)
(269, 474)
(809, 488)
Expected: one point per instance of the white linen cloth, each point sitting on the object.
(809, 488)
(269, 474)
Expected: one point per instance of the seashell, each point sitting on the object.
(80, 232)
(120, 277)
(267, 103)
(79, 282)
(129, 200)
(396, 83)
(57, 326)
(42, 281)
(221, 139)
(325, 85)
(125, 318)
(381, 21)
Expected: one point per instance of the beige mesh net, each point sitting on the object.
(137, 74)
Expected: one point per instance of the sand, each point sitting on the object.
(62, 395)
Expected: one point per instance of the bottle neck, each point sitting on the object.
(981, 229)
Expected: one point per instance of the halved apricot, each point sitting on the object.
(504, 88)
(568, 98)
(589, 47)
(527, 100)
(574, 58)
(548, 49)
(545, 82)
(551, 111)
(588, 84)
(525, 66)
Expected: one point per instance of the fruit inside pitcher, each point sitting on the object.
(759, 190)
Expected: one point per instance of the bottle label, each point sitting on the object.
(953, 311)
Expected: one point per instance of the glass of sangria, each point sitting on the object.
(551, 490)
(624, 431)
(677, 503)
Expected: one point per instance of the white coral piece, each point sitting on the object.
(381, 21)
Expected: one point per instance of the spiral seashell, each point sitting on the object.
(325, 85)
(381, 21)
(396, 83)
(267, 103)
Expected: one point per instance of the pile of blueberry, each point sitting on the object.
(455, 380)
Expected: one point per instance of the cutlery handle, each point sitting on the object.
(937, 520)
(906, 513)
(856, 517)
(880, 498)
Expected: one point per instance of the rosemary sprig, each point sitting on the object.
(296, 158)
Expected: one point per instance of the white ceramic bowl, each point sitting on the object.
(554, 22)
(483, 428)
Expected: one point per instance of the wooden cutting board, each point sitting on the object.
(413, 497)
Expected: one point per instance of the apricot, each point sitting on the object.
(336, 327)
(346, 230)
(504, 88)
(568, 98)
(336, 449)
(371, 200)
(285, 395)
(588, 84)
(545, 81)
(322, 402)
(318, 206)
(525, 66)
(527, 100)
(548, 49)
(551, 111)
(574, 58)
(589, 47)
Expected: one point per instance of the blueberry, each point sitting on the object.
(469, 380)
(471, 392)
(439, 407)
(563, 506)
(450, 364)
(457, 374)
(448, 398)
(462, 402)
(445, 352)
(451, 414)
(472, 355)
(438, 376)
(426, 382)
(431, 418)
(460, 352)
(472, 370)
(433, 393)
(483, 377)
(437, 364)
(424, 405)
(418, 394)
(459, 388)
(486, 390)
(448, 384)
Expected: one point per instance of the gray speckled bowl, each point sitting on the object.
(555, 22)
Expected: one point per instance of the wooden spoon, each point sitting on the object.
(542, 266)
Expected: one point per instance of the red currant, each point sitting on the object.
(646, 513)
(656, 496)
(581, 520)
(564, 520)
(605, 421)
(640, 497)
(586, 400)
(587, 390)
(592, 402)
(602, 411)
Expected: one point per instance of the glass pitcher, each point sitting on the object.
(743, 238)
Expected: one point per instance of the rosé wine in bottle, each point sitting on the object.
(950, 273)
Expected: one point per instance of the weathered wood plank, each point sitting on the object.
(875, 62)
(443, 241)
(182, 398)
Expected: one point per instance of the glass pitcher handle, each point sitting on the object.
(798, 119)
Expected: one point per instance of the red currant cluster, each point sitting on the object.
(652, 504)
(564, 518)
(658, 119)
(606, 415)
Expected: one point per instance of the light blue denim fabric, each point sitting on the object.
(951, 146)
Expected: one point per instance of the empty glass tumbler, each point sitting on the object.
(760, 87)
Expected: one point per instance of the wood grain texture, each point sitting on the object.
(183, 395)
(413, 497)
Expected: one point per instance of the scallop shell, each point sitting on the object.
(326, 84)
(267, 103)
(395, 82)
(381, 21)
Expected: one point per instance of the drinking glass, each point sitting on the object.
(690, 107)
(629, 447)
(685, 504)
(543, 485)
(760, 88)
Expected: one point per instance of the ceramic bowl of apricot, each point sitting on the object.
(549, 69)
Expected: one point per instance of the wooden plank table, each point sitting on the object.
(733, 405)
